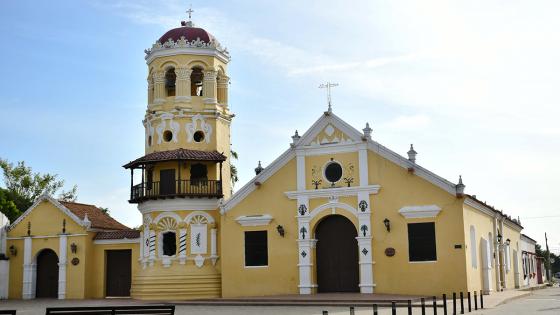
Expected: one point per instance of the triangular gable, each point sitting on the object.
(46, 197)
(329, 129)
(309, 140)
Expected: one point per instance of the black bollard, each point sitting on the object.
(374, 309)
(469, 299)
(462, 304)
(481, 300)
(325, 312)
(454, 303)
(475, 301)
(394, 308)
(351, 310)
(444, 304)
(409, 307)
(434, 304)
(423, 306)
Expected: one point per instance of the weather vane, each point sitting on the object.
(328, 86)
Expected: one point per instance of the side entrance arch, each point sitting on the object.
(337, 255)
(47, 274)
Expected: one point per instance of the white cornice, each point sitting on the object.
(117, 241)
(45, 236)
(187, 51)
(418, 212)
(333, 192)
(512, 225)
(485, 210)
(58, 205)
(254, 220)
(261, 178)
(178, 204)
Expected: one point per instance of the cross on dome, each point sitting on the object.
(189, 12)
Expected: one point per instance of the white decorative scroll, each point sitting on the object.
(167, 123)
(184, 43)
(149, 132)
(198, 123)
(182, 246)
(199, 261)
(198, 238)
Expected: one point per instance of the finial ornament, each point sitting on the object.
(367, 132)
(412, 154)
(460, 187)
(295, 138)
(259, 169)
(188, 23)
(328, 86)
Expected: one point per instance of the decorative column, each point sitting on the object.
(28, 292)
(300, 169)
(209, 89)
(213, 246)
(486, 266)
(62, 259)
(305, 247)
(363, 164)
(183, 246)
(150, 91)
(223, 82)
(152, 246)
(365, 253)
(159, 87)
(183, 84)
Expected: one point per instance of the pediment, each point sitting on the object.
(329, 129)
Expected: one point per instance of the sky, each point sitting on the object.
(473, 84)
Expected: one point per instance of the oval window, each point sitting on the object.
(333, 172)
(167, 136)
(198, 136)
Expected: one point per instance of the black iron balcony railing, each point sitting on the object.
(176, 188)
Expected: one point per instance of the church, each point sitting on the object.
(336, 212)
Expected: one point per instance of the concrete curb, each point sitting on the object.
(513, 298)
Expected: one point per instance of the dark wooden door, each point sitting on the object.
(118, 273)
(167, 182)
(337, 255)
(47, 274)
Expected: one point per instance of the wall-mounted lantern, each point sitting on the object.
(13, 250)
(499, 238)
(508, 241)
(280, 230)
(74, 248)
(387, 224)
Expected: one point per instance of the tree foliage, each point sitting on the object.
(23, 186)
(233, 169)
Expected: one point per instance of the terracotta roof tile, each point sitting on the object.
(178, 154)
(117, 235)
(98, 218)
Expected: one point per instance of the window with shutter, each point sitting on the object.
(422, 241)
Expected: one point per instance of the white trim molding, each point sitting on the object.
(254, 220)
(178, 204)
(117, 241)
(333, 192)
(419, 212)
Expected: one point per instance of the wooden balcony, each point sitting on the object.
(201, 188)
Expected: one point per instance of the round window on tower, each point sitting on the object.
(198, 136)
(333, 172)
(167, 135)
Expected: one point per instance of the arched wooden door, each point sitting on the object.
(337, 255)
(47, 274)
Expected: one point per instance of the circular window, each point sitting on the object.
(333, 172)
(198, 136)
(167, 136)
(150, 141)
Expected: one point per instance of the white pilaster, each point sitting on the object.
(213, 246)
(28, 292)
(363, 164)
(305, 247)
(152, 246)
(62, 262)
(366, 264)
(300, 167)
(182, 246)
(486, 266)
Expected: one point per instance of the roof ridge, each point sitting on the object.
(78, 203)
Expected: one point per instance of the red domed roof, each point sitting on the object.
(190, 34)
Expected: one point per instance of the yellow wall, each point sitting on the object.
(96, 280)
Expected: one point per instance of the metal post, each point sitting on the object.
(325, 312)
(434, 305)
(351, 310)
(444, 304)
(454, 303)
(131, 181)
(178, 177)
(374, 309)
(475, 301)
(481, 300)
(409, 307)
(394, 308)
(469, 299)
(423, 306)
(462, 303)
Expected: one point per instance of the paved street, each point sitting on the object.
(546, 301)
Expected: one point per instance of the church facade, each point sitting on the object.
(336, 212)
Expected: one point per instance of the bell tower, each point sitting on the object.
(185, 171)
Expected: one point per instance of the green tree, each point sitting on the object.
(23, 186)
(8, 207)
(233, 169)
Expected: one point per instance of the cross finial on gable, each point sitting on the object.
(189, 12)
(328, 86)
